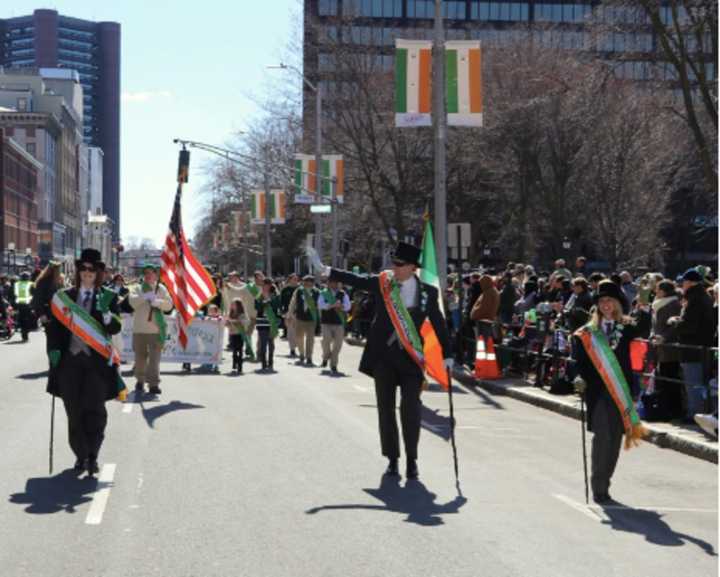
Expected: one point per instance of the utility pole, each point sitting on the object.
(440, 131)
(268, 221)
(334, 215)
(318, 167)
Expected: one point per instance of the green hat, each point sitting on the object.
(147, 264)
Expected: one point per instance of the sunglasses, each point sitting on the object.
(87, 268)
(399, 262)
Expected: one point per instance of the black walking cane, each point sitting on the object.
(582, 429)
(452, 433)
(52, 432)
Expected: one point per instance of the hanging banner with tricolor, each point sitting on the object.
(225, 235)
(332, 171)
(413, 82)
(277, 207)
(434, 362)
(463, 83)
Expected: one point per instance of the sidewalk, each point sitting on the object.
(687, 439)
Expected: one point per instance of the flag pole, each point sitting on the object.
(452, 434)
(52, 432)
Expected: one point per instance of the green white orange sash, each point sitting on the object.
(81, 324)
(330, 299)
(606, 364)
(310, 304)
(400, 317)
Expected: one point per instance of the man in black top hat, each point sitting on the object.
(386, 357)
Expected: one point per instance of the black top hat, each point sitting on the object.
(91, 256)
(406, 253)
(608, 288)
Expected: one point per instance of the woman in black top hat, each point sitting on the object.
(84, 369)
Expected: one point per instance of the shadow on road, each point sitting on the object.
(151, 415)
(33, 376)
(650, 524)
(63, 492)
(413, 500)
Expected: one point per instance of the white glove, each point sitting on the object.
(449, 364)
(317, 264)
(107, 317)
(157, 303)
(149, 296)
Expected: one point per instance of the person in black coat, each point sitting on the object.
(80, 375)
(604, 417)
(386, 360)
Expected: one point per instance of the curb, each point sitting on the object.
(659, 434)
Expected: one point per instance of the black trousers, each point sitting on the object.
(395, 370)
(236, 346)
(25, 320)
(267, 347)
(608, 430)
(83, 389)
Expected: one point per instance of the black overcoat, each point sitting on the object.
(59, 339)
(381, 327)
(595, 386)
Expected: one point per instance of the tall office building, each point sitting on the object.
(47, 39)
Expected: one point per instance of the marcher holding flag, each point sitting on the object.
(334, 305)
(393, 354)
(267, 305)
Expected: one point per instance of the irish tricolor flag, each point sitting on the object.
(413, 80)
(277, 207)
(333, 167)
(463, 83)
(434, 362)
(413, 83)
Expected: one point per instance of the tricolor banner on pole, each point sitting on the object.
(463, 83)
(224, 234)
(413, 83)
(333, 167)
(277, 207)
(238, 221)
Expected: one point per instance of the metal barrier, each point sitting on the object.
(535, 350)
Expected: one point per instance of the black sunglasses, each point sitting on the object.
(87, 267)
(399, 262)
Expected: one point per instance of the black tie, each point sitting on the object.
(86, 300)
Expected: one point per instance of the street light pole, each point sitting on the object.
(440, 130)
(268, 221)
(318, 165)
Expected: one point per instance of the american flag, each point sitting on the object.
(188, 282)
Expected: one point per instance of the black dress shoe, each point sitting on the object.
(139, 387)
(334, 371)
(392, 468)
(80, 466)
(292, 354)
(324, 364)
(411, 472)
(92, 467)
(602, 498)
(155, 390)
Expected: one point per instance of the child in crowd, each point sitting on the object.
(237, 323)
(213, 313)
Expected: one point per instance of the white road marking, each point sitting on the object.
(100, 498)
(584, 509)
(596, 511)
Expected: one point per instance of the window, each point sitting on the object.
(327, 7)
(22, 104)
(421, 9)
(453, 10)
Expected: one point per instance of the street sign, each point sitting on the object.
(459, 239)
(320, 208)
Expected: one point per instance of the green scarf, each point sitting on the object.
(158, 315)
(245, 337)
(272, 317)
(254, 290)
(310, 303)
(330, 299)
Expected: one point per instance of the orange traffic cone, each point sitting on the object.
(485, 362)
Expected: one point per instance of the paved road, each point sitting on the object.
(280, 475)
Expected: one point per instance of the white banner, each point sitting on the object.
(205, 342)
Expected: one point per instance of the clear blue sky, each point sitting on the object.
(188, 69)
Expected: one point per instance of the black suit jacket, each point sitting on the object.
(381, 327)
(59, 337)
